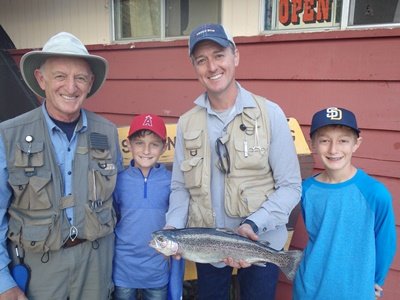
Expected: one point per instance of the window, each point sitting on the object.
(315, 14)
(161, 19)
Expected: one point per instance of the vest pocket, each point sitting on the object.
(30, 192)
(192, 166)
(250, 157)
(193, 139)
(192, 171)
(250, 195)
(100, 216)
(100, 221)
(101, 180)
(32, 237)
(29, 155)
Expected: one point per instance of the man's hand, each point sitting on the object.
(13, 294)
(246, 231)
(176, 256)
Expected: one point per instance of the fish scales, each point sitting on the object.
(211, 245)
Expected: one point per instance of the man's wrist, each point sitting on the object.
(251, 223)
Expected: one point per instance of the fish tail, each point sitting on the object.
(292, 259)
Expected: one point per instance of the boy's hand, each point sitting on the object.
(13, 294)
(378, 291)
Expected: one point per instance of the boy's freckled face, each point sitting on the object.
(335, 146)
(146, 151)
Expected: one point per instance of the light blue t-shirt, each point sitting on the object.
(352, 239)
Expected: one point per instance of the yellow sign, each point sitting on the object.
(168, 157)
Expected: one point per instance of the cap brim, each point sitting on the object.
(34, 59)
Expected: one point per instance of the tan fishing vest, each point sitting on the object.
(250, 180)
(38, 222)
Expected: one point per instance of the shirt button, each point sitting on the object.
(69, 172)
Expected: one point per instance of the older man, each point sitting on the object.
(58, 165)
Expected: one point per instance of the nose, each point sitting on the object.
(70, 85)
(146, 149)
(332, 147)
(212, 66)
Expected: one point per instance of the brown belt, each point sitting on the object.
(72, 243)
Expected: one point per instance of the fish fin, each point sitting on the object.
(293, 261)
(226, 230)
(265, 243)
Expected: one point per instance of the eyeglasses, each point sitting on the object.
(224, 161)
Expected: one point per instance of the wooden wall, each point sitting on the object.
(358, 70)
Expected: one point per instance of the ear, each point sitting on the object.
(164, 148)
(91, 84)
(128, 144)
(40, 79)
(357, 144)
(236, 54)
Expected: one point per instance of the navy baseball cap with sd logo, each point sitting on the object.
(334, 116)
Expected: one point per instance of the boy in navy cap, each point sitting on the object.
(348, 216)
(141, 200)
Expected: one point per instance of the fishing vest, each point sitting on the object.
(37, 218)
(250, 179)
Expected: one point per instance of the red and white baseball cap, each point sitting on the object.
(150, 122)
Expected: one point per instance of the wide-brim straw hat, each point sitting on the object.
(62, 44)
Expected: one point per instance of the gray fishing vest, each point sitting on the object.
(37, 218)
(250, 180)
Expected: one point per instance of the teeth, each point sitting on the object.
(334, 158)
(216, 77)
(68, 98)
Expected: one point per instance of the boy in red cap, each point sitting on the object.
(141, 199)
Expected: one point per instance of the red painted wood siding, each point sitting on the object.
(358, 69)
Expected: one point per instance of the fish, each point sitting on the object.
(213, 245)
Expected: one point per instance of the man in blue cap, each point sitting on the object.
(58, 166)
(348, 216)
(235, 167)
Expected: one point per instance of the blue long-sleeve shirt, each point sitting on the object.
(64, 151)
(352, 239)
(141, 203)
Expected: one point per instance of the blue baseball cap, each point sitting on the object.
(333, 116)
(211, 32)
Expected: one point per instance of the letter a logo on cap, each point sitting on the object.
(334, 113)
(148, 121)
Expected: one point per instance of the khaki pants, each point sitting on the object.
(80, 272)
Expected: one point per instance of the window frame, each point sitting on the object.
(343, 25)
(162, 36)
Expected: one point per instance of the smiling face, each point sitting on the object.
(146, 150)
(215, 68)
(66, 82)
(335, 146)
